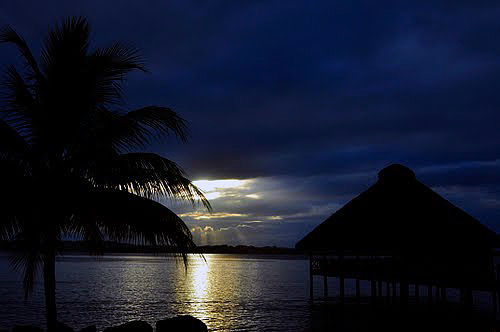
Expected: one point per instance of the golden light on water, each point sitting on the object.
(213, 293)
(200, 287)
(199, 278)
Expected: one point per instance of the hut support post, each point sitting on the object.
(468, 300)
(497, 284)
(324, 271)
(310, 278)
(358, 286)
(417, 292)
(380, 288)
(325, 285)
(388, 290)
(443, 294)
(496, 287)
(373, 289)
(341, 287)
(494, 300)
(429, 293)
(341, 277)
(498, 298)
(404, 291)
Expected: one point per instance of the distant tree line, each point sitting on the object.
(116, 247)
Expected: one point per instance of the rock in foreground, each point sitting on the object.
(26, 328)
(91, 328)
(134, 326)
(181, 323)
(61, 327)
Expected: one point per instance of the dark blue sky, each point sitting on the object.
(304, 101)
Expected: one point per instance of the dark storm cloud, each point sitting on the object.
(314, 97)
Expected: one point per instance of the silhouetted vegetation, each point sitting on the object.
(117, 247)
(68, 156)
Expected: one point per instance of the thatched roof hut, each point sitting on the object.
(398, 213)
(400, 216)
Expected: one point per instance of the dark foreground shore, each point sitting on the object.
(180, 323)
(337, 317)
(413, 317)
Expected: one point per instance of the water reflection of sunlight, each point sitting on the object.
(199, 280)
(213, 292)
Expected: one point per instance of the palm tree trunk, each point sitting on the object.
(49, 280)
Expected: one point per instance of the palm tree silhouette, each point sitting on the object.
(69, 158)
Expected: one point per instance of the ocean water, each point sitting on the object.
(227, 292)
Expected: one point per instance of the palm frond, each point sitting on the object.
(117, 60)
(86, 229)
(66, 45)
(9, 227)
(147, 174)
(9, 35)
(19, 102)
(15, 180)
(154, 121)
(129, 218)
(107, 68)
(28, 258)
(29, 263)
(11, 142)
(136, 129)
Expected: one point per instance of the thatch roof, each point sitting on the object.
(399, 214)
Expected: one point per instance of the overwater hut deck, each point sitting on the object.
(401, 232)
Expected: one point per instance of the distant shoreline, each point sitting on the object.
(82, 247)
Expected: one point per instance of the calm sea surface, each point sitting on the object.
(227, 292)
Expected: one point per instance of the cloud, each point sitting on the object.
(217, 215)
(304, 102)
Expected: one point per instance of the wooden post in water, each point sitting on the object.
(403, 291)
(325, 286)
(310, 277)
(358, 286)
(429, 293)
(325, 277)
(341, 277)
(443, 294)
(494, 299)
(497, 284)
(468, 299)
(373, 282)
(373, 288)
(380, 288)
(388, 290)
(417, 292)
(404, 287)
